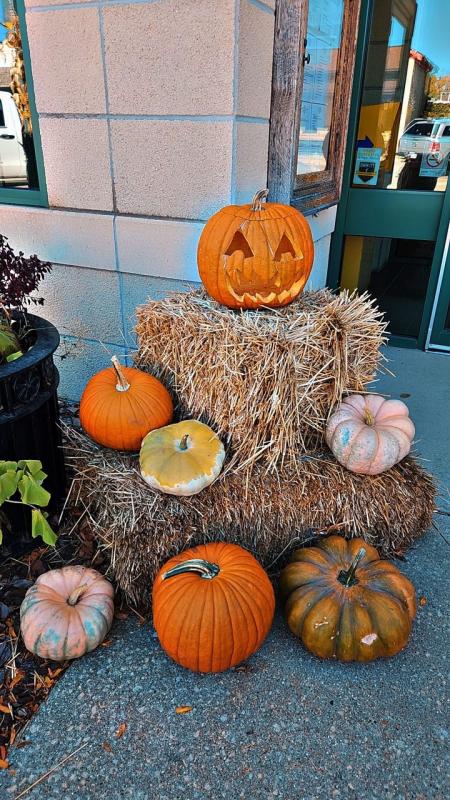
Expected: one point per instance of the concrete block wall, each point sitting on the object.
(153, 115)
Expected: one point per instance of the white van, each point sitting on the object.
(13, 161)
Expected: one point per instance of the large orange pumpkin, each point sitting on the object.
(120, 405)
(213, 606)
(66, 613)
(344, 603)
(255, 255)
(368, 435)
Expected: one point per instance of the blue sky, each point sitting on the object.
(432, 33)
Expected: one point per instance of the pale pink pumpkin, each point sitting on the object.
(66, 613)
(369, 434)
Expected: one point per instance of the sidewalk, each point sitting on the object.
(287, 725)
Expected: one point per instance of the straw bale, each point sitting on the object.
(265, 380)
(268, 513)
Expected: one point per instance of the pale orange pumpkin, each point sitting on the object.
(66, 613)
(120, 405)
(213, 606)
(369, 434)
(256, 254)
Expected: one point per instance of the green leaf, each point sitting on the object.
(8, 485)
(40, 527)
(32, 464)
(13, 357)
(5, 466)
(32, 493)
(1, 536)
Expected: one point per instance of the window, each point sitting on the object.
(21, 166)
(314, 52)
(420, 129)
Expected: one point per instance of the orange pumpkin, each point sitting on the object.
(255, 255)
(213, 606)
(368, 435)
(344, 603)
(66, 613)
(120, 405)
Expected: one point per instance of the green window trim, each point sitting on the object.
(28, 197)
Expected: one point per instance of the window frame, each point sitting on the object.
(309, 192)
(28, 197)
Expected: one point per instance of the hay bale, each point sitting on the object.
(266, 513)
(264, 380)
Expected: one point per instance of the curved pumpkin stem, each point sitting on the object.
(184, 442)
(122, 384)
(76, 594)
(206, 569)
(347, 576)
(258, 199)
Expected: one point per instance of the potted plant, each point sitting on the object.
(28, 381)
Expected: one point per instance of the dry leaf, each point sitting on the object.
(121, 730)
(183, 709)
(422, 601)
(4, 764)
(106, 746)
(17, 678)
(12, 736)
(4, 709)
(55, 672)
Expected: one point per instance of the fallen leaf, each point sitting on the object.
(4, 709)
(121, 730)
(4, 764)
(17, 678)
(2, 751)
(106, 746)
(422, 601)
(183, 709)
(55, 672)
(12, 736)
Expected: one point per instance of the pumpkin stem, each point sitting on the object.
(122, 384)
(76, 594)
(369, 417)
(258, 199)
(206, 569)
(184, 442)
(347, 576)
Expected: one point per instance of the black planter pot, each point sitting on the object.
(29, 423)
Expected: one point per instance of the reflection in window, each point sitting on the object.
(394, 271)
(403, 118)
(17, 157)
(323, 42)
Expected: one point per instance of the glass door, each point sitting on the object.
(388, 228)
(439, 331)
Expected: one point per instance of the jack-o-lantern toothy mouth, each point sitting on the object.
(285, 278)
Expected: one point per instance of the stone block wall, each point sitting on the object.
(153, 115)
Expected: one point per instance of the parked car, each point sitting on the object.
(13, 161)
(426, 136)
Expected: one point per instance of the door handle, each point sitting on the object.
(7, 136)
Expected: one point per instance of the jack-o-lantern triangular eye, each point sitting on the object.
(239, 242)
(284, 247)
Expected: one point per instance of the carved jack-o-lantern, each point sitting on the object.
(255, 255)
